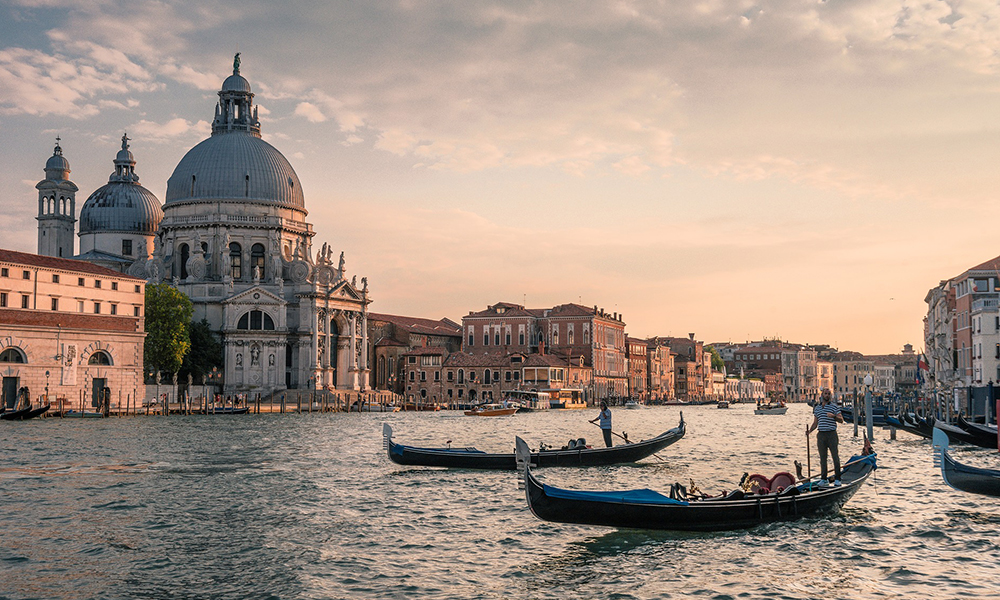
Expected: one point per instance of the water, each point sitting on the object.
(308, 506)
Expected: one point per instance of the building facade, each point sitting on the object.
(70, 331)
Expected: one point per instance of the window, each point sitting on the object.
(12, 355)
(461, 376)
(79, 281)
(97, 283)
(55, 278)
(486, 337)
(520, 338)
(423, 376)
(25, 301)
(4, 272)
(114, 309)
(126, 247)
(185, 253)
(506, 376)
(451, 374)
(437, 375)
(114, 285)
(517, 375)
(235, 261)
(97, 308)
(507, 337)
(257, 260)
(411, 359)
(135, 311)
(79, 306)
(496, 337)
(25, 274)
(3, 299)
(472, 341)
(99, 358)
(486, 376)
(412, 375)
(137, 288)
(256, 320)
(55, 304)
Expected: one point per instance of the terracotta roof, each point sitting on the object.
(38, 318)
(418, 325)
(992, 266)
(64, 264)
(573, 310)
(510, 310)
(492, 359)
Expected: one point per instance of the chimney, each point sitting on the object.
(691, 335)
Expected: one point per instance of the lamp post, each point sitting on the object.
(868, 405)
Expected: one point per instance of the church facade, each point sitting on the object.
(232, 235)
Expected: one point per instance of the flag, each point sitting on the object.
(922, 366)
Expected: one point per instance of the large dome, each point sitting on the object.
(235, 166)
(119, 206)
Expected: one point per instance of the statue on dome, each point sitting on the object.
(236, 63)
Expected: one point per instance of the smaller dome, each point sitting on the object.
(236, 83)
(57, 162)
(124, 155)
(127, 207)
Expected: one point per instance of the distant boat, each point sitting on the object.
(82, 414)
(224, 410)
(373, 407)
(632, 404)
(770, 409)
(491, 410)
(723, 404)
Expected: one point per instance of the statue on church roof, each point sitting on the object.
(236, 63)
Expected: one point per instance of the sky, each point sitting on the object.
(798, 169)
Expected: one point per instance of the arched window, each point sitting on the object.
(235, 261)
(100, 358)
(185, 253)
(461, 375)
(257, 260)
(12, 355)
(256, 320)
(486, 376)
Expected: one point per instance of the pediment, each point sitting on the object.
(345, 290)
(256, 295)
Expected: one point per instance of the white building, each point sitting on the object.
(233, 236)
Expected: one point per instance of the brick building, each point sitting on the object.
(70, 329)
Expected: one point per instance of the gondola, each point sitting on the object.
(985, 435)
(901, 422)
(958, 435)
(24, 414)
(224, 410)
(648, 509)
(964, 478)
(579, 456)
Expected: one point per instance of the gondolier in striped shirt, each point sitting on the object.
(826, 415)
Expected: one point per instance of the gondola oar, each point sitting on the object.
(623, 435)
(808, 453)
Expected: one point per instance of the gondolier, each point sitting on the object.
(826, 415)
(605, 422)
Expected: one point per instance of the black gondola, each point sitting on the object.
(985, 435)
(964, 478)
(24, 414)
(647, 509)
(959, 435)
(901, 421)
(580, 456)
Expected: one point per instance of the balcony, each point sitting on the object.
(985, 305)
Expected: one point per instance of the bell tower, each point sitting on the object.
(56, 208)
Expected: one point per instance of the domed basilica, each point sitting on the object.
(232, 235)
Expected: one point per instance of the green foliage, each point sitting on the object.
(168, 318)
(717, 363)
(205, 353)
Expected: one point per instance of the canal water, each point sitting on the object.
(308, 506)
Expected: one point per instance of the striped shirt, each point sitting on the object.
(605, 417)
(826, 422)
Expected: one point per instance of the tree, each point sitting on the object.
(168, 318)
(717, 363)
(205, 353)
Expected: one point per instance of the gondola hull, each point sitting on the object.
(24, 414)
(646, 509)
(964, 478)
(470, 458)
(899, 422)
(958, 435)
(985, 436)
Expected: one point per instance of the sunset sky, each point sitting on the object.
(798, 169)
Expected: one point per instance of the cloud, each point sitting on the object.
(310, 111)
(170, 130)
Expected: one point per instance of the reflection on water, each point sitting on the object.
(308, 506)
